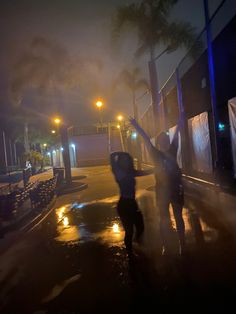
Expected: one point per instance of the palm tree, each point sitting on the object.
(150, 19)
(131, 79)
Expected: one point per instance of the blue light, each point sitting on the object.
(221, 127)
(73, 146)
(134, 135)
(78, 206)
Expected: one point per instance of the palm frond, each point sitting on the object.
(164, 6)
(179, 34)
(127, 15)
(150, 18)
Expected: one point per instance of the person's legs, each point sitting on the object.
(126, 216)
(163, 202)
(177, 210)
(138, 221)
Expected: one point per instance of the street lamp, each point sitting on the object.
(53, 131)
(120, 117)
(65, 144)
(57, 121)
(119, 127)
(99, 105)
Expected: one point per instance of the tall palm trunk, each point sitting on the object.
(135, 107)
(154, 84)
(26, 137)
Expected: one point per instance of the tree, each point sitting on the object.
(44, 66)
(154, 29)
(131, 79)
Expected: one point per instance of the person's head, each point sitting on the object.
(123, 160)
(163, 142)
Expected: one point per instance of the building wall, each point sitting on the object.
(93, 149)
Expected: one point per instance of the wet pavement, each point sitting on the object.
(75, 261)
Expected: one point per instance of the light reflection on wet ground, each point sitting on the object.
(98, 220)
(89, 221)
(84, 266)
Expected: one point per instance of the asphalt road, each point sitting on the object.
(74, 261)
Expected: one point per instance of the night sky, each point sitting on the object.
(82, 31)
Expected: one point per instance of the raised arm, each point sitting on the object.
(175, 141)
(142, 133)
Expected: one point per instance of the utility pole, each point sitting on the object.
(215, 117)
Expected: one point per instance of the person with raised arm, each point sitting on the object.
(168, 187)
(131, 217)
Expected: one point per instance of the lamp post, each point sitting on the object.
(65, 144)
(120, 118)
(99, 105)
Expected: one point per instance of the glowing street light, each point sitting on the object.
(53, 131)
(62, 129)
(120, 117)
(57, 121)
(45, 145)
(99, 105)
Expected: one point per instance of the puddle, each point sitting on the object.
(81, 222)
(98, 220)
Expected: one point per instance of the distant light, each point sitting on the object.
(118, 126)
(49, 154)
(57, 120)
(221, 127)
(62, 149)
(72, 145)
(99, 103)
(45, 144)
(120, 118)
(54, 152)
(134, 135)
(53, 131)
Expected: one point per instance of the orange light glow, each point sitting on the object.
(99, 103)
(57, 120)
(120, 117)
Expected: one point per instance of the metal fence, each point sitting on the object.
(189, 90)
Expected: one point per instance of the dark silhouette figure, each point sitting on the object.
(169, 187)
(127, 207)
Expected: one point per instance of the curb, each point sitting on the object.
(19, 233)
(39, 219)
(72, 190)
